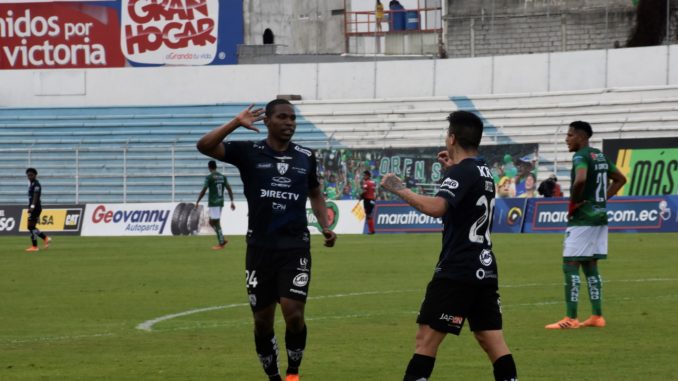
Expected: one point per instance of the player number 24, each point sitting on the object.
(251, 278)
(480, 230)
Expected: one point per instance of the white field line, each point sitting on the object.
(148, 325)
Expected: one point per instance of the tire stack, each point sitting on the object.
(186, 219)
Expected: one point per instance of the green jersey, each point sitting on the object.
(593, 212)
(215, 182)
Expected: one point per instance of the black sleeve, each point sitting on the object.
(313, 172)
(234, 152)
(455, 185)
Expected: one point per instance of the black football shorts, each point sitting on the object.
(34, 216)
(274, 274)
(449, 303)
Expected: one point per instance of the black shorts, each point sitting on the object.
(449, 303)
(369, 206)
(34, 216)
(274, 274)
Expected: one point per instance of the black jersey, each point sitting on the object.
(276, 186)
(34, 192)
(467, 254)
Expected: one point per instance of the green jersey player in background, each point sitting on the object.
(215, 182)
(594, 180)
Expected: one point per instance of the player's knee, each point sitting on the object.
(295, 321)
(262, 325)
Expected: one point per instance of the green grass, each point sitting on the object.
(70, 313)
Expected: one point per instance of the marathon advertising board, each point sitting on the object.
(91, 34)
(625, 214)
(399, 217)
(650, 165)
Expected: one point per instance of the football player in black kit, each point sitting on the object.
(278, 176)
(34, 210)
(464, 285)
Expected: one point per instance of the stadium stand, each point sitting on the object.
(147, 154)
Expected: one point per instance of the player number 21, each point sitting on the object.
(476, 234)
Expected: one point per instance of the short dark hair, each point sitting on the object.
(271, 105)
(582, 126)
(368, 173)
(212, 164)
(466, 127)
(32, 170)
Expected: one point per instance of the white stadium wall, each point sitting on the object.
(579, 70)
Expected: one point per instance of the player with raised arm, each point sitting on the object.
(464, 285)
(278, 177)
(594, 180)
(215, 182)
(34, 210)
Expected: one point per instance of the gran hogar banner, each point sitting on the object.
(650, 165)
(89, 34)
(652, 214)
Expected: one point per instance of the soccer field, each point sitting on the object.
(74, 312)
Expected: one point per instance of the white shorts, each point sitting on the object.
(215, 212)
(583, 243)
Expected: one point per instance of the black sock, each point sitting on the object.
(40, 234)
(267, 350)
(505, 369)
(295, 344)
(34, 238)
(419, 368)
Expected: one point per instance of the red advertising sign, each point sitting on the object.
(59, 35)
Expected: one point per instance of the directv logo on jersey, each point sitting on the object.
(267, 193)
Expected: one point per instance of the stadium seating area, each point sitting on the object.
(147, 154)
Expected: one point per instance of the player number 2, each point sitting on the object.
(480, 230)
(251, 278)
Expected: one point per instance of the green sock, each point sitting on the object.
(572, 281)
(595, 283)
(216, 224)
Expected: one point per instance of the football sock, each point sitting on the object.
(267, 350)
(295, 343)
(34, 236)
(370, 224)
(41, 234)
(216, 224)
(572, 281)
(595, 283)
(419, 368)
(505, 369)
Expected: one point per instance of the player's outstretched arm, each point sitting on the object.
(319, 207)
(618, 181)
(210, 143)
(202, 193)
(432, 206)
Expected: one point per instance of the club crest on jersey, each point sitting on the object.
(282, 168)
(486, 257)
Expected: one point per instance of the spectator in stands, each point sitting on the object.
(530, 184)
(550, 187)
(524, 170)
(379, 14)
(346, 193)
(331, 188)
(505, 187)
(509, 169)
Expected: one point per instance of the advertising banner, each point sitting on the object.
(89, 34)
(650, 165)
(10, 219)
(399, 217)
(128, 219)
(509, 214)
(625, 214)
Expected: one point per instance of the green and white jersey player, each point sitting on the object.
(215, 182)
(594, 180)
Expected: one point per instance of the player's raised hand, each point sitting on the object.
(392, 183)
(248, 117)
(444, 159)
(330, 237)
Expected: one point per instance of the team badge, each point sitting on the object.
(282, 168)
